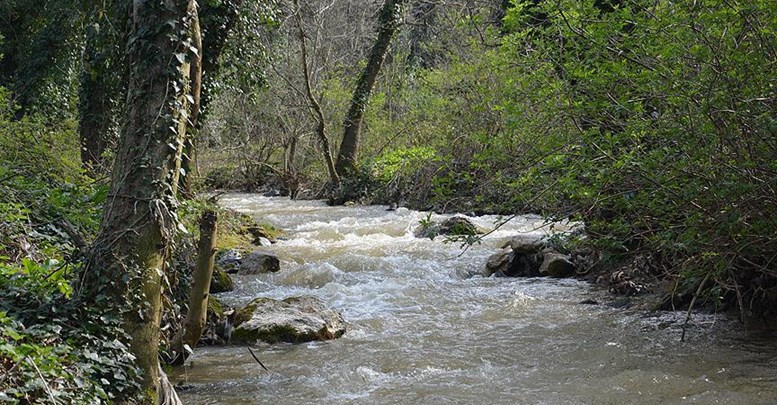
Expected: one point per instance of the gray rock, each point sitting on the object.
(499, 262)
(262, 241)
(293, 320)
(556, 265)
(527, 243)
(258, 263)
(228, 260)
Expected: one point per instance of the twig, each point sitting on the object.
(693, 301)
(45, 384)
(504, 222)
(257, 359)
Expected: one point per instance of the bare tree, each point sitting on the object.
(315, 106)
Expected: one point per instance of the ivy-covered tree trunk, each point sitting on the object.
(99, 82)
(93, 105)
(388, 22)
(127, 260)
(193, 73)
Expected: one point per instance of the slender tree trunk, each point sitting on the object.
(195, 84)
(334, 178)
(93, 104)
(198, 297)
(127, 259)
(99, 88)
(388, 22)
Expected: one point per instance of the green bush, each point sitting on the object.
(51, 348)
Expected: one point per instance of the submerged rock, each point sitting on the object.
(293, 320)
(454, 226)
(259, 263)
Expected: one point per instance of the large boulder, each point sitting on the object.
(259, 263)
(292, 320)
(499, 262)
(454, 226)
(220, 281)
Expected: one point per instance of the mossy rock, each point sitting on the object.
(293, 320)
(454, 226)
(215, 307)
(259, 231)
(221, 281)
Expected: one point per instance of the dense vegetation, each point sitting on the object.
(653, 122)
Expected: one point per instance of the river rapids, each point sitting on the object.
(420, 331)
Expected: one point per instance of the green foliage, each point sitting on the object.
(243, 61)
(52, 349)
(652, 122)
(40, 54)
(43, 187)
(390, 164)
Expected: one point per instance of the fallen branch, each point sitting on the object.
(693, 301)
(257, 359)
(45, 383)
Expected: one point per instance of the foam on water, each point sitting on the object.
(419, 331)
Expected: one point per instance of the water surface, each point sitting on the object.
(421, 332)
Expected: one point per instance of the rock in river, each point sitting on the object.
(258, 263)
(454, 226)
(229, 260)
(220, 281)
(556, 265)
(293, 320)
(528, 256)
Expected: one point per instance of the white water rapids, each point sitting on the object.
(421, 332)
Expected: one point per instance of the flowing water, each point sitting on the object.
(421, 332)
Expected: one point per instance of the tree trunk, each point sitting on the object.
(198, 296)
(195, 84)
(128, 257)
(334, 178)
(388, 22)
(100, 83)
(93, 104)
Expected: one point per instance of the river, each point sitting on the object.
(421, 332)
